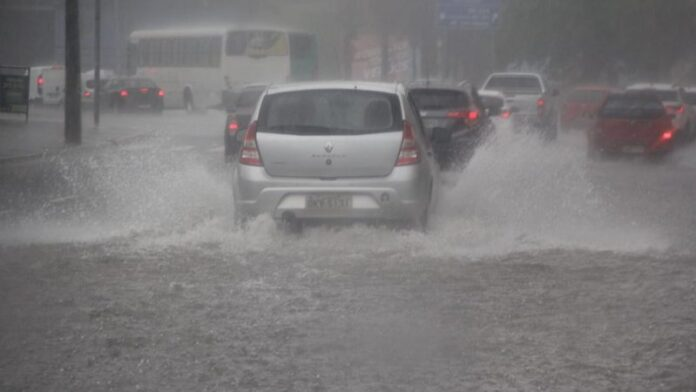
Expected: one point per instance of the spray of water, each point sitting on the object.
(517, 194)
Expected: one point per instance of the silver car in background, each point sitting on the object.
(336, 151)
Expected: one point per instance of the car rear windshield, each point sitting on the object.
(133, 83)
(248, 98)
(632, 106)
(527, 84)
(664, 95)
(330, 112)
(432, 99)
(586, 96)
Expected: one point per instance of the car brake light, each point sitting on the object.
(87, 94)
(160, 93)
(408, 155)
(250, 152)
(123, 93)
(232, 127)
(473, 115)
(541, 103)
(40, 80)
(506, 114)
(667, 135)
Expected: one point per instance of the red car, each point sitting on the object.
(632, 123)
(580, 107)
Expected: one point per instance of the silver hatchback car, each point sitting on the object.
(336, 151)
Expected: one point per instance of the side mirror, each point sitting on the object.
(441, 135)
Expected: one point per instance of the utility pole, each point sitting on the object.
(97, 61)
(73, 115)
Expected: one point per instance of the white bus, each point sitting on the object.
(194, 66)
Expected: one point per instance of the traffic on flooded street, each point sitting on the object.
(348, 196)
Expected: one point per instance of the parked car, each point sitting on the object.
(635, 122)
(454, 119)
(532, 101)
(132, 93)
(239, 112)
(579, 108)
(672, 97)
(330, 151)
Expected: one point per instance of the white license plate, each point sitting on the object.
(633, 149)
(329, 202)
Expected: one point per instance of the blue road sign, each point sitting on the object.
(468, 13)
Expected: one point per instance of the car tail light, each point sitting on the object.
(232, 127)
(473, 115)
(541, 103)
(160, 93)
(408, 155)
(250, 152)
(87, 94)
(506, 114)
(667, 135)
(123, 93)
(40, 80)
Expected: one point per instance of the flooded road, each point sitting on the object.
(121, 269)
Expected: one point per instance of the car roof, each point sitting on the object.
(336, 85)
(504, 74)
(653, 86)
(436, 85)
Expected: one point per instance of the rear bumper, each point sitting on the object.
(630, 146)
(403, 195)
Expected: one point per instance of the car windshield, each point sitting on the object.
(330, 112)
(434, 99)
(632, 107)
(511, 84)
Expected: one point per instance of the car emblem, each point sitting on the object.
(328, 147)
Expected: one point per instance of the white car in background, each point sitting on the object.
(88, 84)
(673, 98)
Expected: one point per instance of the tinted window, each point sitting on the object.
(330, 112)
(248, 98)
(431, 99)
(632, 106)
(514, 83)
